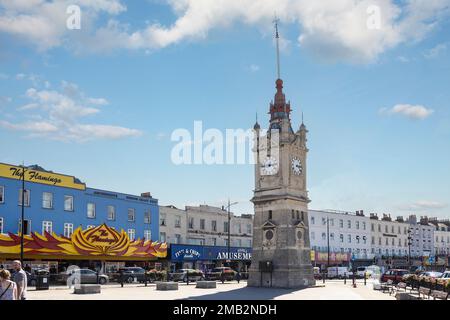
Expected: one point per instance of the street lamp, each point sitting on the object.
(409, 248)
(229, 226)
(22, 224)
(328, 244)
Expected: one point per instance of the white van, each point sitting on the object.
(338, 272)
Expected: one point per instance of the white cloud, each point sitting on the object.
(254, 68)
(331, 30)
(59, 115)
(423, 205)
(435, 51)
(407, 110)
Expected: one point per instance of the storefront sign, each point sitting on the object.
(334, 257)
(101, 241)
(208, 253)
(43, 177)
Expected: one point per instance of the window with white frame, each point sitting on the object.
(313, 236)
(68, 203)
(239, 228)
(2, 194)
(332, 236)
(177, 222)
(214, 225)
(178, 239)
(162, 219)
(47, 200)
(191, 223)
(364, 225)
(147, 235)
(249, 228)
(357, 225)
(225, 226)
(324, 236)
(26, 197)
(331, 222)
(131, 234)
(202, 224)
(341, 237)
(349, 238)
(47, 226)
(147, 217)
(324, 221)
(312, 220)
(91, 210)
(1, 225)
(68, 230)
(111, 213)
(162, 237)
(131, 214)
(238, 242)
(349, 224)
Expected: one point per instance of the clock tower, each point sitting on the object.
(281, 255)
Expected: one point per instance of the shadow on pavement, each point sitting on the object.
(245, 293)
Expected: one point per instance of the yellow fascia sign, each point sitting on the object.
(43, 177)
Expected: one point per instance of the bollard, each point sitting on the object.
(121, 279)
(145, 278)
(354, 281)
(365, 280)
(345, 278)
(187, 278)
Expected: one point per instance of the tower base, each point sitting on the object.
(294, 278)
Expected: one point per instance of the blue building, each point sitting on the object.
(60, 203)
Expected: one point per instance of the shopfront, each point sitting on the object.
(207, 257)
(320, 259)
(101, 249)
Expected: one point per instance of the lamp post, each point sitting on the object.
(328, 244)
(409, 248)
(229, 226)
(22, 214)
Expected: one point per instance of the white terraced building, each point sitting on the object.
(348, 232)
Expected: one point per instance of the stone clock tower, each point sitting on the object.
(281, 249)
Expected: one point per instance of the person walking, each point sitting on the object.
(222, 277)
(238, 276)
(20, 278)
(8, 288)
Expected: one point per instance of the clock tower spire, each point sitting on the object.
(281, 246)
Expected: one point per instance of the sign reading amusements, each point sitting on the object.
(43, 177)
(101, 242)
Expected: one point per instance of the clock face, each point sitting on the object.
(296, 165)
(269, 166)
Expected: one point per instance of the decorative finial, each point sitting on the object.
(277, 37)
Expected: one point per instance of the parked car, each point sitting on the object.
(446, 275)
(32, 276)
(216, 274)
(317, 274)
(131, 273)
(182, 275)
(431, 274)
(396, 275)
(338, 273)
(361, 272)
(83, 276)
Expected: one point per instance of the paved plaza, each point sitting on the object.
(332, 290)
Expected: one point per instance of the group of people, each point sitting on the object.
(13, 287)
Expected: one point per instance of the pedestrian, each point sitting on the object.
(222, 277)
(238, 277)
(8, 288)
(20, 278)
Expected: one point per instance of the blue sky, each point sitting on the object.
(101, 103)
